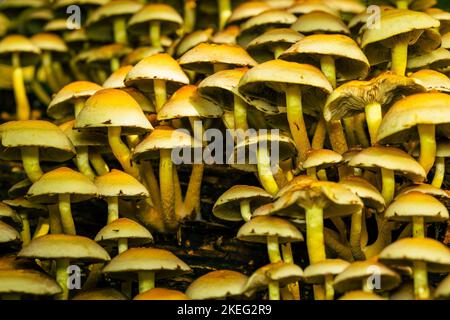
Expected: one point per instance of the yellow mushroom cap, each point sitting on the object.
(217, 284)
(124, 228)
(320, 22)
(360, 295)
(166, 15)
(436, 59)
(161, 294)
(100, 294)
(64, 246)
(9, 216)
(113, 9)
(432, 80)
(117, 183)
(424, 188)
(192, 39)
(62, 181)
(316, 273)
(321, 158)
(8, 234)
(82, 139)
(247, 10)
(259, 228)
(113, 108)
(304, 7)
(267, 19)
(368, 193)
(29, 53)
(138, 54)
(27, 282)
(49, 42)
(116, 80)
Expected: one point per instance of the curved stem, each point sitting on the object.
(40, 93)
(155, 34)
(329, 289)
(122, 245)
(355, 235)
(296, 121)
(189, 15)
(373, 118)
(82, 161)
(146, 280)
(328, 67)
(265, 171)
(152, 184)
(274, 290)
(439, 172)
(418, 227)
(273, 249)
(427, 145)
(159, 87)
(383, 239)
(25, 233)
(100, 166)
(30, 162)
(322, 175)
(278, 51)
(65, 213)
(166, 187)
(121, 151)
(50, 75)
(78, 106)
(55, 219)
(120, 30)
(42, 228)
(420, 276)
(314, 234)
(400, 56)
(224, 10)
(62, 277)
(341, 227)
(113, 208)
(20, 92)
(388, 185)
(246, 212)
(192, 197)
(320, 134)
(332, 242)
(240, 113)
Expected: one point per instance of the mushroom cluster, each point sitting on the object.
(333, 118)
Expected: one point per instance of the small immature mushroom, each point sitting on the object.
(16, 283)
(323, 273)
(320, 22)
(116, 185)
(62, 186)
(154, 20)
(145, 264)
(161, 294)
(159, 74)
(238, 202)
(360, 295)
(443, 289)
(18, 52)
(418, 208)
(219, 284)
(318, 160)
(100, 294)
(123, 233)
(209, 58)
(64, 249)
(116, 112)
(272, 231)
(424, 255)
(247, 10)
(399, 30)
(428, 112)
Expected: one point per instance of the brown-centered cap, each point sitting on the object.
(8, 234)
(403, 116)
(259, 228)
(100, 294)
(192, 39)
(416, 204)
(320, 22)
(351, 278)
(28, 282)
(167, 16)
(217, 284)
(138, 54)
(360, 295)
(389, 158)
(62, 103)
(186, 102)
(407, 250)
(443, 289)
(9, 216)
(129, 263)
(432, 80)
(227, 207)
(303, 7)
(124, 228)
(321, 159)
(117, 183)
(62, 181)
(64, 246)
(113, 108)
(247, 10)
(316, 273)
(351, 63)
(368, 193)
(436, 59)
(14, 43)
(161, 294)
(53, 144)
(202, 57)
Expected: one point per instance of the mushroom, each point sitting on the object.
(428, 112)
(106, 59)
(227, 36)
(100, 294)
(145, 263)
(11, 217)
(18, 52)
(64, 249)
(153, 20)
(62, 186)
(300, 8)
(161, 294)
(138, 54)
(218, 284)
(443, 289)
(318, 160)
(320, 22)
(247, 10)
(432, 80)
(360, 295)
(9, 235)
(437, 59)
(423, 254)
(442, 152)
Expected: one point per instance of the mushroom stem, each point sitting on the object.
(322, 175)
(120, 30)
(42, 228)
(274, 290)
(273, 248)
(320, 134)
(427, 146)
(166, 187)
(420, 276)
(78, 106)
(55, 219)
(159, 87)
(360, 131)
(383, 239)
(388, 185)
(152, 184)
(373, 119)
(246, 211)
(265, 172)
(278, 51)
(65, 213)
(121, 151)
(122, 245)
(114, 64)
(329, 289)
(113, 208)
(82, 161)
(400, 56)
(40, 93)
(30, 162)
(224, 8)
(355, 235)
(418, 227)
(349, 131)
(338, 142)
(192, 197)
(25, 233)
(328, 67)
(314, 234)
(155, 34)
(100, 166)
(402, 4)
(340, 226)
(20, 92)
(240, 113)
(296, 121)
(49, 74)
(62, 277)
(146, 280)
(189, 15)
(439, 172)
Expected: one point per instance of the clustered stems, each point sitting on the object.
(273, 248)
(82, 161)
(100, 166)
(439, 172)
(355, 235)
(224, 7)
(160, 93)
(61, 277)
(240, 113)
(265, 171)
